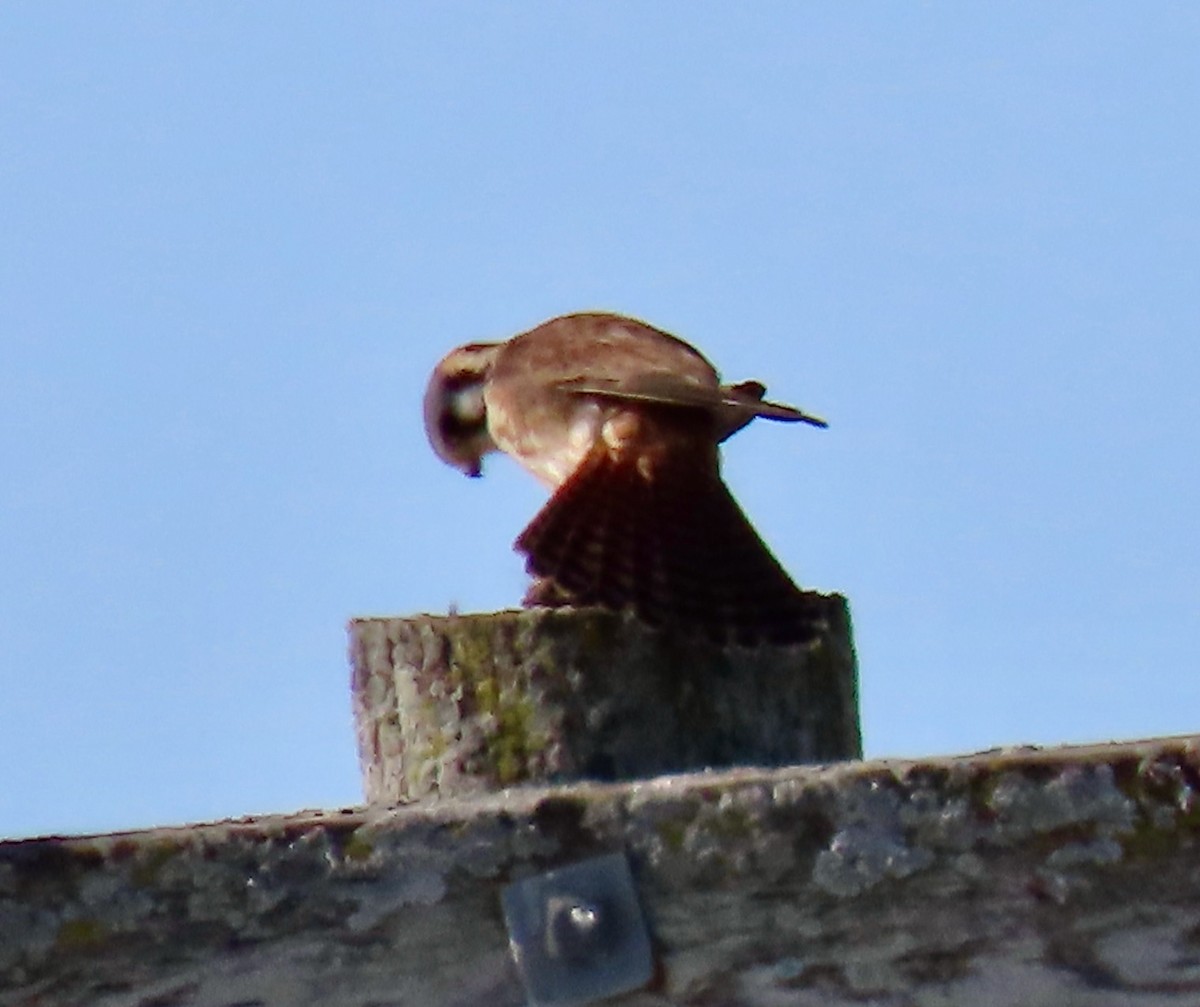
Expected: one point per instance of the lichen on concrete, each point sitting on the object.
(1022, 878)
(460, 705)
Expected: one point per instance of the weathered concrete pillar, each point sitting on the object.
(464, 704)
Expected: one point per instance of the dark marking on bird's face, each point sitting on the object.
(460, 434)
(463, 414)
(462, 426)
(455, 410)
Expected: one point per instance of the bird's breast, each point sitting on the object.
(549, 434)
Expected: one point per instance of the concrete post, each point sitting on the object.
(461, 705)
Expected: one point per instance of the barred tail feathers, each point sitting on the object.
(675, 547)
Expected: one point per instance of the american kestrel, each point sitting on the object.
(622, 421)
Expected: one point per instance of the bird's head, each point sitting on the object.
(455, 411)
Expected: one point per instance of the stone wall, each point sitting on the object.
(1060, 878)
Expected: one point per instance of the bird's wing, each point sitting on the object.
(661, 388)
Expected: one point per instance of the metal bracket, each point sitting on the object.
(577, 932)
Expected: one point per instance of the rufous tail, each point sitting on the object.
(674, 546)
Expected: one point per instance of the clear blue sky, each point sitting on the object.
(235, 238)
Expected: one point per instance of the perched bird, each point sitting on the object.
(622, 421)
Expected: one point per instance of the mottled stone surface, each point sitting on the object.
(460, 705)
(1059, 878)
